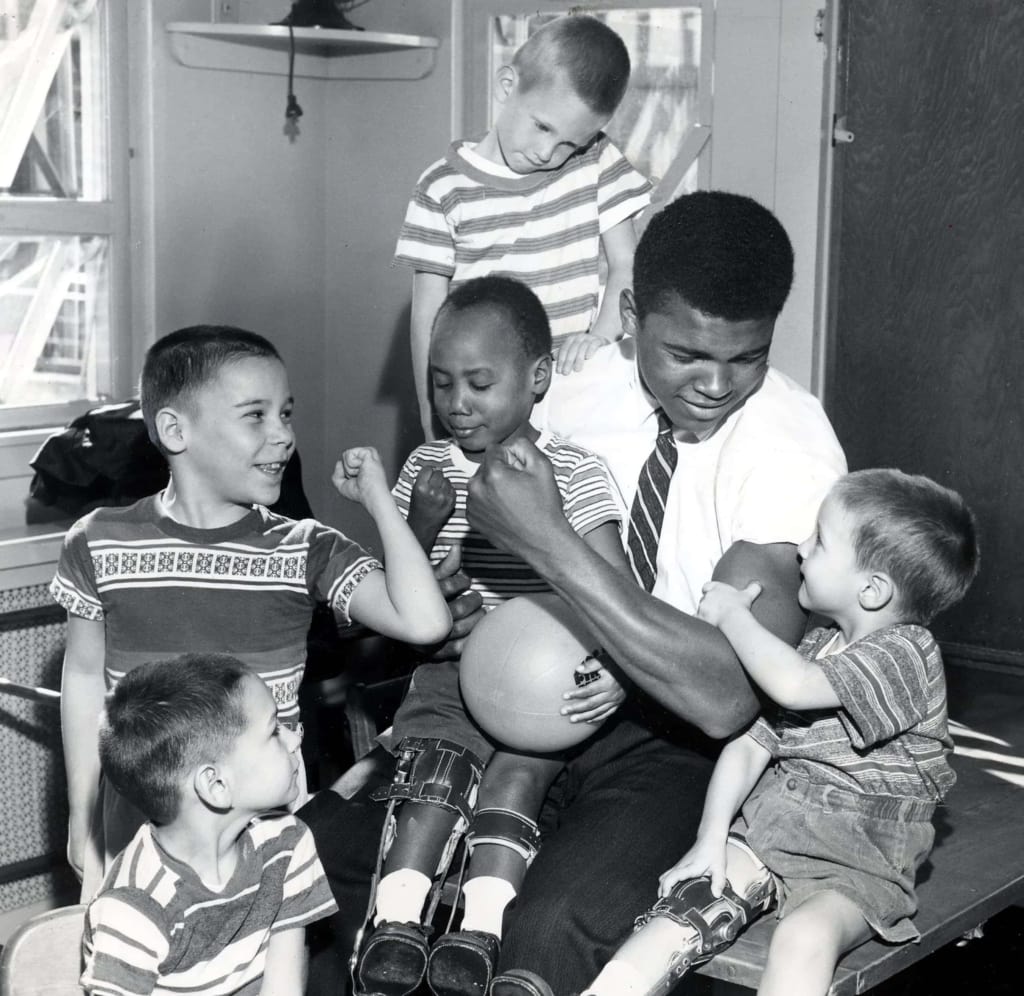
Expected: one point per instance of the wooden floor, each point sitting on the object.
(976, 870)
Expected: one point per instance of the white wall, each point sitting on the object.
(294, 238)
(239, 216)
(766, 141)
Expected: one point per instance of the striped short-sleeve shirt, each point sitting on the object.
(248, 589)
(156, 928)
(471, 218)
(587, 500)
(890, 734)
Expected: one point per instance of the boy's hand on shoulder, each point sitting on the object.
(433, 498)
(706, 857)
(359, 475)
(722, 600)
(576, 350)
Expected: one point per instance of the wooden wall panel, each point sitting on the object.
(927, 354)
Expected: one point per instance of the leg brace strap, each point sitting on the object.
(715, 920)
(436, 772)
(505, 828)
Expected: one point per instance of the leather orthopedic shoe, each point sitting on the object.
(393, 960)
(519, 982)
(462, 963)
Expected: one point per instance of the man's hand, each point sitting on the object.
(466, 606)
(575, 350)
(721, 600)
(432, 501)
(514, 500)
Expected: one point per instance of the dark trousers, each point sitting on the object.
(625, 809)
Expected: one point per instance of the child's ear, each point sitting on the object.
(542, 374)
(877, 592)
(211, 787)
(627, 313)
(170, 429)
(506, 79)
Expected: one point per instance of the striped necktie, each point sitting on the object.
(648, 510)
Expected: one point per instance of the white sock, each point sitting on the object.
(486, 898)
(618, 978)
(401, 895)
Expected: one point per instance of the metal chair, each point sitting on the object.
(43, 957)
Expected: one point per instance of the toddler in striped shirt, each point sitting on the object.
(490, 361)
(213, 893)
(836, 785)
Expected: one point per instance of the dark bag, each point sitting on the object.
(105, 457)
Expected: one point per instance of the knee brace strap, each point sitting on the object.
(436, 772)
(715, 920)
(506, 828)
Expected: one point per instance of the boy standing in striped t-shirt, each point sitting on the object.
(490, 360)
(213, 894)
(540, 197)
(854, 756)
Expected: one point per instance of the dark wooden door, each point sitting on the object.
(925, 365)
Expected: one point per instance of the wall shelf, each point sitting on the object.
(319, 53)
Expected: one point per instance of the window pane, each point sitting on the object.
(664, 87)
(53, 318)
(53, 102)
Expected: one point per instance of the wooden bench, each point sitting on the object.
(977, 867)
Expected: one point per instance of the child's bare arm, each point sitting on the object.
(287, 960)
(82, 693)
(776, 667)
(619, 244)
(428, 292)
(598, 699)
(739, 766)
(404, 601)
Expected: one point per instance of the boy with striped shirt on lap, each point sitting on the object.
(490, 360)
(541, 197)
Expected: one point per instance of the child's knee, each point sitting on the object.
(517, 782)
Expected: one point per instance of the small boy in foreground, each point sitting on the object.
(214, 893)
(542, 197)
(854, 757)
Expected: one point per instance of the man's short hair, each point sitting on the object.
(724, 254)
(918, 532)
(511, 303)
(180, 363)
(163, 719)
(592, 56)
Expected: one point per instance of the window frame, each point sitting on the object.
(110, 218)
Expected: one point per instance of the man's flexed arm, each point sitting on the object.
(681, 661)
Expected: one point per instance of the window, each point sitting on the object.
(63, 206)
